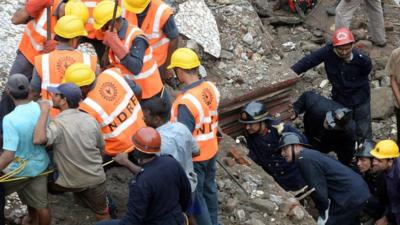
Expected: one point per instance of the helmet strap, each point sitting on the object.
(293, 155)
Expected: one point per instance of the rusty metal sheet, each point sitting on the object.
(276, 97)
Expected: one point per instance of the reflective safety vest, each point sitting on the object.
(157, 16)
(92, 33)
(35, 34)
(113, 104)
(149, 77)
(202, 102)
(51, 68)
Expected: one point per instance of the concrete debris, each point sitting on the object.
(288, 46)
(248, 39)
(382, 103)
(323, 83)
(265, 205)
(195, 21)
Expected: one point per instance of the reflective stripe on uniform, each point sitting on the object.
(128, 39)
(217, 94)
(35, 45)
(199, 108)
(156, 23)
(38, 26)
(107, 119)
(147, 73)
(160, 43)
(86, 59)
(125, 124)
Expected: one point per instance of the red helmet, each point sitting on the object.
(147, 140)
(342, 36)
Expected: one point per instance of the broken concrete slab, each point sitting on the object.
(382, 103)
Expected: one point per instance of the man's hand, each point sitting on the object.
(35, 7)
(112, 40)
(49, 46)
(122, 159)
(45, 105)
(382, 221)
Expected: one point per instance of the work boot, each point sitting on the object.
(112, 207)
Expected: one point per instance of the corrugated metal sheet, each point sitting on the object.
(275, 96)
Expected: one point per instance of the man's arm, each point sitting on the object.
(185, 191)
(315, 178)
(35, 86)
(21, 16)
(134, 60)
(310, 61)
(32, 9)
(123, 160)
(299, 106)
(39, 135)
(6, 158)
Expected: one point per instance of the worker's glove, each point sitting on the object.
(322, 219)
(35, 7)
(112, 40)
(137, 90)
(49, 46)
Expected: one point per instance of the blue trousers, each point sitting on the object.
(206, 192)
(362, 117)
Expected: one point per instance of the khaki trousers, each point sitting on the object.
(345, 10)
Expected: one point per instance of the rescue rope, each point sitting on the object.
(14, 172)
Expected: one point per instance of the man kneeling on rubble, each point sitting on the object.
(77, 145)
(340, 193)
(262, 135)
(160, 192)
(21, 157)
(328, 125)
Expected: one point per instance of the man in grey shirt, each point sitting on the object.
(176, 139)
(77, 144)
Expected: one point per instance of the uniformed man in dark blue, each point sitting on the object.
(262, 135)
(340, 193)
(328, 125)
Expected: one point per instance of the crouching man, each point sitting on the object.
(20, 153)
(340, 193)
(77, 144)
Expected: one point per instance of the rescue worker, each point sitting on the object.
(112, 102)
(196, 107)
(393, 71)
(156, 19)
(347, 70)
(160, 192)
(94, 37)
(345, 10)
(374, 209)
(50, 67)
(77, 145)
(130, 50)
(328, 125)
(262, 135)
(340, 193)
(386, 154)
(19, 152)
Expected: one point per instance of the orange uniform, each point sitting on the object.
(157, 16)
(51, 67)
(113, 104)
(149, 77)
(35, 34)
(202, 101)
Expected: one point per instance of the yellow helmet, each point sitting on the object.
(79, 74)
(77, 8)
(385, 149)
(184, 58)
(103, 12)
(70, 27)
(135, 6)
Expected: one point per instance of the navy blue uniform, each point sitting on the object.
(346, 190)
(350, 84)
(159, 194)
(263, 150)
(376, 204)
(315, 107)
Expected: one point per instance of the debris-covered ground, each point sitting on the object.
(257, 46)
